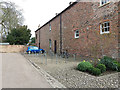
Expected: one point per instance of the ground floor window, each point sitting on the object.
(50, 43)
(76, 34)
(104, 27)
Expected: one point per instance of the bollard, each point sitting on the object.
(41, 59)
(65, 59)
(74, 56)
(45, 59)
(51, 56)
(56, 58)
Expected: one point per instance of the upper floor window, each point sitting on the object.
(103, 2)
(105, 27)
(50, 27)
(76, 34)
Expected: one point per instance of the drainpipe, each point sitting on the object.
(60, 34)
(39, 39)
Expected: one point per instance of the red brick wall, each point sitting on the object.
(55, 33)
(37, 38)
(85, 17)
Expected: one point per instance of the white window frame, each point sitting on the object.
(50, 27)
(103, 27)
(104, 2)
(50, 43)
(76, 32)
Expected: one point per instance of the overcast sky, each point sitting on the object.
(38, 12)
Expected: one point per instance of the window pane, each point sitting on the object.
(102, 2)
(108, 24)
(102, 29)
(77, 31)
(105, 24)
(102, 25)
(105, 1)
(77, 35)
(106, 29)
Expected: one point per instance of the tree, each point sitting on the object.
(33, 40)
(19, 36)
(10, 17)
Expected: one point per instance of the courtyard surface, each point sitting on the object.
(64, 70)
(17, 72)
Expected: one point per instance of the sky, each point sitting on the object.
(37, 12)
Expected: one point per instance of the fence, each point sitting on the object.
(50, 57)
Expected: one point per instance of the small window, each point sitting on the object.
(50, 27)
(76, 34)
(103, 2)
(105, 27)
(50, 43)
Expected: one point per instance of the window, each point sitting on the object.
(103, 2)
(50, 43)
(76, 34)
(50, 27)
(104, 27)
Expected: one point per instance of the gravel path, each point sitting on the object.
(64, 70)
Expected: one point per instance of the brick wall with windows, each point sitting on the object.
(37, 38)
(88, 29)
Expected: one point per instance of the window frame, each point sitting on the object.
(105, 2)
(75, 34)
(107, 27)
(50, 43)
(50, 27)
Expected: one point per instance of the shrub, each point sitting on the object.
(109, 63)
(118, 66)
(83, 66)
(114, 61)
(94, 71)
(102, 67)
(90, 69)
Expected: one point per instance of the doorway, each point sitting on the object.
(55, 46)
(39, 45)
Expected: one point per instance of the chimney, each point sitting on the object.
(56, 14)
(39, 26)
(70, 3)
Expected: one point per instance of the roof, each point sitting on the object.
(57, 15)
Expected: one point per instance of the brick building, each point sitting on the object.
(85, 28)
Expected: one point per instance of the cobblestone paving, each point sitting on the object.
(64, 70)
